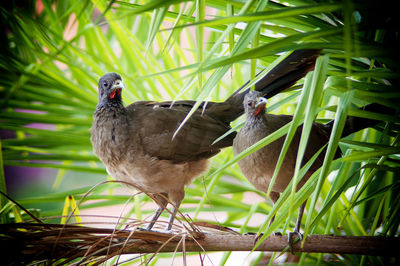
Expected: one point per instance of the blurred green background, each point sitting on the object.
(53, 53)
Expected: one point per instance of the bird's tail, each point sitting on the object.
(354, 124)
(281, 77)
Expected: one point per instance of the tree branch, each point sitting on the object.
(314, 244)
(51, 242)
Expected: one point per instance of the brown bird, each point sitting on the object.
(136, 142)
(258, 167)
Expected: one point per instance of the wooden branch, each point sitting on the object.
(52, 242)
(365, 245)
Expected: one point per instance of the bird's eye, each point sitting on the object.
(250, 103)
(105, 84)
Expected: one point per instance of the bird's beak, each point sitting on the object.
(116, 88)
(261, 101)
(260, 105)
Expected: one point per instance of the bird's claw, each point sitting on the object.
(290, 239)
(257, 238)
(144, 229)
(165, 231)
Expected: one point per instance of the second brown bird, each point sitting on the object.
(259, 166)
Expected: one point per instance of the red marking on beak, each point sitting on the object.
(115, 92)
(259, 109)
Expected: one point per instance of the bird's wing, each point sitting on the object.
(319, 136)
(156, 124)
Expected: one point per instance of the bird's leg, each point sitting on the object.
(274, 197)
(162, 202)
(172, 216)
(154, 219)
(296, 231)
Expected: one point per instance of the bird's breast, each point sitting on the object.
(110, 136)
(259, 166)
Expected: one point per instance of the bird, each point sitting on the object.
(138, 145)
(259, 166)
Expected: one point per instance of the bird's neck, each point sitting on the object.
(254, 120)
(114, 104)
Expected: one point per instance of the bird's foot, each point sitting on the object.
(257, 238)
(145, 229)
(148, 228)
(168, 228)
(291, 242)
(165, 231)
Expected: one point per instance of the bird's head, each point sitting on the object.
(110, 87)
(254, 103)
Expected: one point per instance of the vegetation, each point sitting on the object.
(53, 53)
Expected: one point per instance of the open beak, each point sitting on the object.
(260, 105)
(116, 88)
